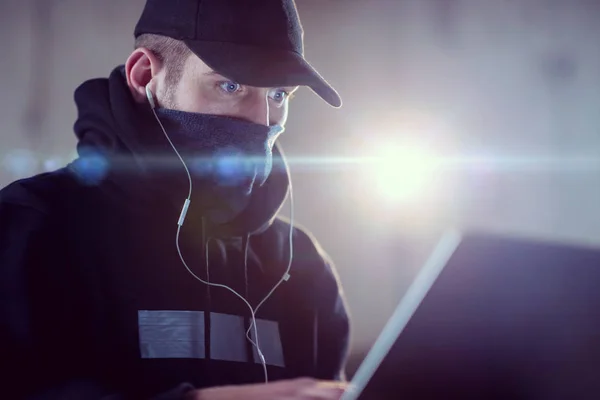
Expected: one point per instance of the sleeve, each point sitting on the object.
(18, 232)
(332, 326)
(25, 245)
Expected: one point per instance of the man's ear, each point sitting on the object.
(140, 68)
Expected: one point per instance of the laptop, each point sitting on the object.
(491, 317)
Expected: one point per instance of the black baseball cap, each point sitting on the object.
(253, 42)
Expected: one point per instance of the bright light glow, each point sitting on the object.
(20, 163)
(52, 164)
(403, 173)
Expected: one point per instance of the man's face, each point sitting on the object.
(202, 90)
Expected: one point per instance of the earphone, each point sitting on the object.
(181, 220)
(150, 96)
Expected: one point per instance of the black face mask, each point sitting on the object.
(228, 155)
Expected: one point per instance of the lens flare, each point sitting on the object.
(403, 172)
(20, 163)
(91, 168)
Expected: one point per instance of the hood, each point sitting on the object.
(114, 128)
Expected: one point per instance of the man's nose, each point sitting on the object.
(256, 110)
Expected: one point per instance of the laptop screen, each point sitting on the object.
(506, 318)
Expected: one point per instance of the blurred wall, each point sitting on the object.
(485, 77)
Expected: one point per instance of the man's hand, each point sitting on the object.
(296, 389)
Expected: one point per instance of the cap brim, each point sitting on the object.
(256, 66)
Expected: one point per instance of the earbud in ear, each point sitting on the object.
(150, 96)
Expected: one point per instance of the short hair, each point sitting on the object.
(171, 52)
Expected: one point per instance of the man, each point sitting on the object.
(104, 282)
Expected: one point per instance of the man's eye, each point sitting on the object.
(230, 87)
(279, 95)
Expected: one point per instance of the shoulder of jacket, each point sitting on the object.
(303, 239)
(38, 192)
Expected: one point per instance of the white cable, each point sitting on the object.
(187, 171)
(285, 277)
(261, 356)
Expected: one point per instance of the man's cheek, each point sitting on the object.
(278, 116)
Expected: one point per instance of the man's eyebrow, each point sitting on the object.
(212, 73)
(292, 90)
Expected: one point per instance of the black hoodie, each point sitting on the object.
(95, 302)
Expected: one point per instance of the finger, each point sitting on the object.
(333, 384)
(304, 381)
(290, 387)
(322, 393)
